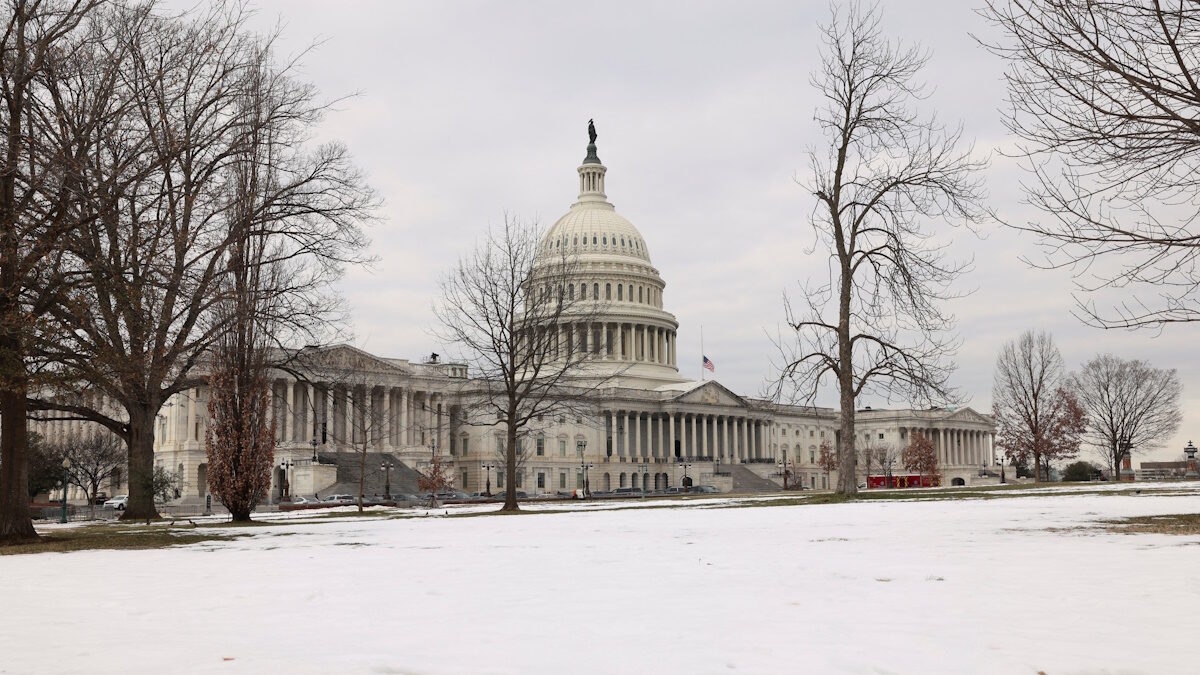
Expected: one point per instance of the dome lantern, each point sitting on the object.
(591, 172)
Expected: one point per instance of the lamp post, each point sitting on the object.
(66, 465)
(783, 472)
(644, 468)
(386, 467)
(286, 465)
(1125, 447)
(581, 448)
(488, 466)
(686, 480)
(314, 444)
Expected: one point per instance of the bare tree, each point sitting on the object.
(1130, 406)
(198, 100)
(1103, 97)
(506, 306)
(94, 456)
(877, 325)
(1036, 416)
(37, 173)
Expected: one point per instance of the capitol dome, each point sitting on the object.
(610, 264)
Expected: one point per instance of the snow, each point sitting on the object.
(1009, 585)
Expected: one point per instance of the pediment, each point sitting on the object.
(968, 414)
(711, 393)
(346, 358)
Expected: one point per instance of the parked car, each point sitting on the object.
(452, 495)
(374, 500)
(674, 490)
(339, 500)
(100, 498)
(297, 499)
(706, 489)
(117, 503)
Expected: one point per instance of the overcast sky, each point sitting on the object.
(465, 110)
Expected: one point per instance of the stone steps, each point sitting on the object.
(745, 480)
(403, 478)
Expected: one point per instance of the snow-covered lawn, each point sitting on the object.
(961, 586)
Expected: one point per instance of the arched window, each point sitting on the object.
(631, 292)
(639, 293)
(577, 240)
(605, 240)
(583, 291)
(596, 291)
(620, 292)
(593, 240)
(571, 292)
(608, 291)
(622, 242)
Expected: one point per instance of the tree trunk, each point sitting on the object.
(362, 473)
(141, 463)
(847, 470)
(15, 523)
(510, 467)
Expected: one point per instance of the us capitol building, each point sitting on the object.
(651, 426)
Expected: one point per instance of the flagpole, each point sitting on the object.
(702, 355)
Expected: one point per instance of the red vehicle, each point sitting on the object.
(905, 481)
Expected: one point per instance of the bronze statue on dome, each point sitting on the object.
(591, 132)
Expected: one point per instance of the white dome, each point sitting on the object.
(631, 335)
(591, 228)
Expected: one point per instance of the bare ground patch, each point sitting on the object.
(1176, 523)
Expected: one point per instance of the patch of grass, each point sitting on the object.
(1177, 523)
(113, 537)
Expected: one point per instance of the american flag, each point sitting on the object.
(708, 365)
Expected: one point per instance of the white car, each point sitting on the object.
(117, 503)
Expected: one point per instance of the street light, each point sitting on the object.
(286, 465)
(686, 481)
(488, 466)
(644, 468)
(386, 467)
(314, 444)
(581, 448)
(66, 464)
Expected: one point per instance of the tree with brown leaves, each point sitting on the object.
(920, 456)
(1037, 418)
(827, 458)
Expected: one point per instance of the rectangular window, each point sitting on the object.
(579, 480)
(541, 446)
(562, 448)
(466, 443)
(562, 480)
(463, 484)
(500, 479)
(519, 481)
(881, 437)
(541, 480)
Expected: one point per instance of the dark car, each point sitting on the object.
(100, 498)
(705, 489)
